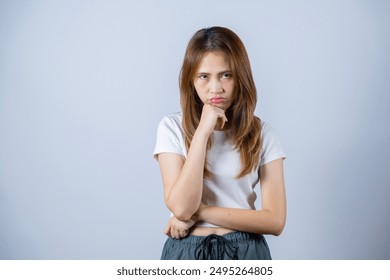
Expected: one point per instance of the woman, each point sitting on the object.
(214, 153)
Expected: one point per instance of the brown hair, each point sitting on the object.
(245, 130)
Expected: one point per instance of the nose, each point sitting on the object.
(216, 86)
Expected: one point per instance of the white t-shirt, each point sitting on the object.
(223, 189)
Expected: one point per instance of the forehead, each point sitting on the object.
(213, 62)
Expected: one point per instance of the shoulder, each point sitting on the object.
(271, 146)
(266, 128)
(171, 124)
(170, 135)
(172, 120)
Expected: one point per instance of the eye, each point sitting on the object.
(203, 76)
(226, 75)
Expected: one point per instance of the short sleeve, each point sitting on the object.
(272, 149)
(169, 137)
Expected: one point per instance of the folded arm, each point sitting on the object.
(269, 220)
(183, 178)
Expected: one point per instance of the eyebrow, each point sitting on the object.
(222, 72)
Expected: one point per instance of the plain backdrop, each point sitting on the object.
(84, 84)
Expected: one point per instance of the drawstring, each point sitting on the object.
(222, 246)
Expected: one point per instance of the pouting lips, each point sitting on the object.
(217, 100)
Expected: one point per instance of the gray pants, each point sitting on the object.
(230, 246)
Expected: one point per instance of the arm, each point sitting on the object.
(183, 179)
(270, 220)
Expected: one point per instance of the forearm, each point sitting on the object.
(254, 221)
(185, 195)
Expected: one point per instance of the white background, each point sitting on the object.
(83, 85)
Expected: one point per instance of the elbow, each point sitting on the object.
(181, 212)
(278, 226)
(276, 223)
(184, 216)
(278, 230)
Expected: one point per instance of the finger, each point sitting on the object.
(221, 113)
(224, 116)
(177, 234)
(167, 229)
(173, 233)
(222, 119)
(183, 233)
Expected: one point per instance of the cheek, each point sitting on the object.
(233, 93)
(199, 91)
(199, 87)
(229, 86)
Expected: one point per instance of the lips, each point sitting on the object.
(217, 100)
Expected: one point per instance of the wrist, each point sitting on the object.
(195, 217)
(201, 133)
(198, 215)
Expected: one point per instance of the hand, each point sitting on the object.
(178, 229)
(211, 115)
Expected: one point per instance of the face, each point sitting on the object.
(214, 81)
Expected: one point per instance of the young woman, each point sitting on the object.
(214, 153)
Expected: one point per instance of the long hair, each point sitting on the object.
(245, 131)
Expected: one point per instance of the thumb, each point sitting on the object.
(167, 229)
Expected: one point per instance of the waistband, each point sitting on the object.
(231, 237)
